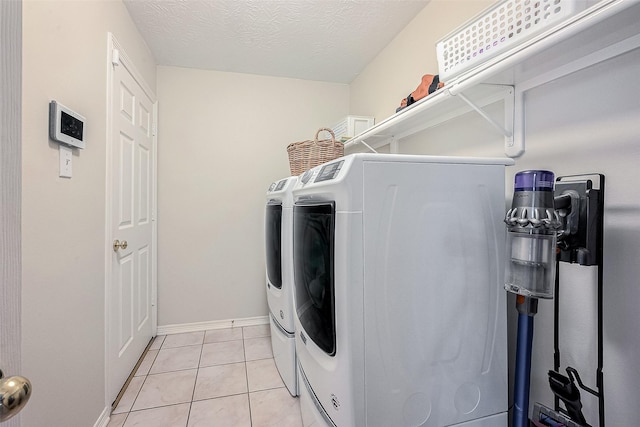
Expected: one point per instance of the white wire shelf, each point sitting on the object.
(603, 31)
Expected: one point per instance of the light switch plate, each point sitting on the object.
(66, 154)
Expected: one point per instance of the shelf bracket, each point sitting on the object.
(508, 133)
(516, 147)
(509, 110)
(394, 145)
(368, 146)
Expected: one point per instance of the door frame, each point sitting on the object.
(11, 191)
(121, 59)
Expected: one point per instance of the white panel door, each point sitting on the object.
(132, 191)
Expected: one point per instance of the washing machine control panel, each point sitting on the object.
(281, 185)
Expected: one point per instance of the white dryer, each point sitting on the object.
(400, 310)
(279, 278)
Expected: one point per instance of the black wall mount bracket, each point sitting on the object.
(579, 201)
(580, 208)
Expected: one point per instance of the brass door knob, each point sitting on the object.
(117, 244)
(14, 393)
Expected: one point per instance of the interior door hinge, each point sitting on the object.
(115, 57)
(154, 129)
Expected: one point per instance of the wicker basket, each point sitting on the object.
(305, 155)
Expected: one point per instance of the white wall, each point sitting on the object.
(222, 141)
(63, 220)
(583, 123)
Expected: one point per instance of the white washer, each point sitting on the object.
(400, 311)
(279, 278)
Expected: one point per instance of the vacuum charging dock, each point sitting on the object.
(580, 206)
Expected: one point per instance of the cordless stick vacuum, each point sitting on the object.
(530, 268)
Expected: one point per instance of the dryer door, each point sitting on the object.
(313, 251)
(273, 241)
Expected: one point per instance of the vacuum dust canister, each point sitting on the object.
(532, 224)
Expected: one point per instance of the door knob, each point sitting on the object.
(14, 394)
(117, 244)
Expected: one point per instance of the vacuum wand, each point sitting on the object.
(530, 268)
(527, 308)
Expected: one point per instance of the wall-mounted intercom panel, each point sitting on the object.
(66, 126)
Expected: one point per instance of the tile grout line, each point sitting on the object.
(159, 373)
(246, 370)
(195, 383)
(143, 381)
(141, 385)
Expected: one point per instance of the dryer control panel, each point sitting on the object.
(329, 171)
(322, 173)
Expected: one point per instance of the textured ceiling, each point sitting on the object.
(325, 40)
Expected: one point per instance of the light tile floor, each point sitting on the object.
(220, 378)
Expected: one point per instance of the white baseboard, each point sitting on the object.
(214, 324)
(103, 420)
